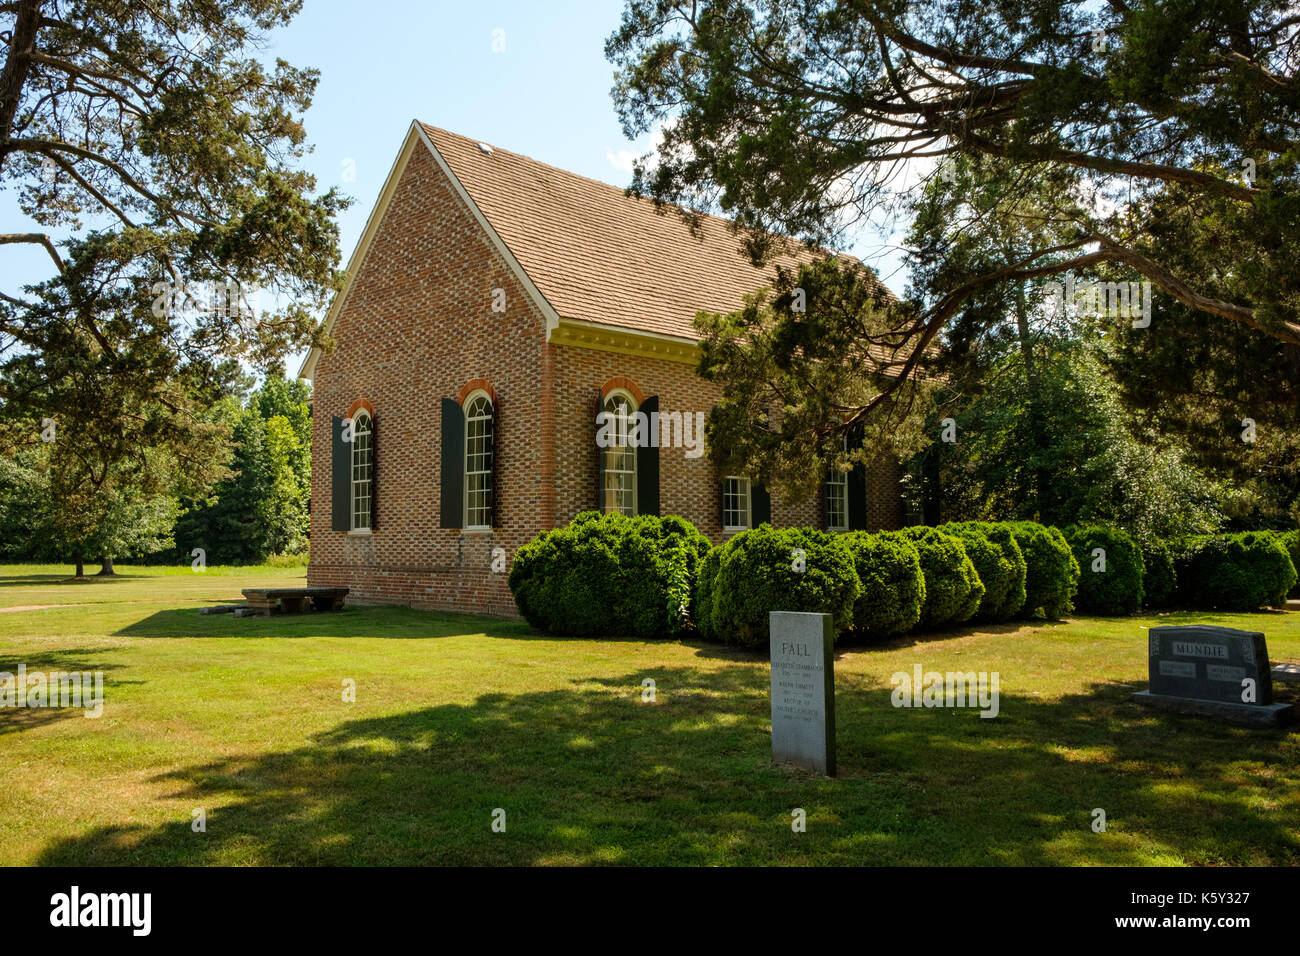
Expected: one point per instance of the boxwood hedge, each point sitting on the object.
(1233, 572)
(1291, 541)
(1111, 569)
(1159, 581)
(893, 584)
(1052, 573)
(1000, 564)
(609, 574)
(759, 571)
(953, 589)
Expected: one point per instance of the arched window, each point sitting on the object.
(620, 455)
(478, 461)
(363, 471)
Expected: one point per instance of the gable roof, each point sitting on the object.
(591, 257)
(598, 255)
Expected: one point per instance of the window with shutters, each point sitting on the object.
(363, 465)
(837, 497)
(736, 513)
(620, 455)
(478, 462)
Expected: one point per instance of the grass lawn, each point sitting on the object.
(457, 716)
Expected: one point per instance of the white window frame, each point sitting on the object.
(837, 484)
(625, 453)
(746, 510)
(366, 483)
(486, 459)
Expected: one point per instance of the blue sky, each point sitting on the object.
(390, 61)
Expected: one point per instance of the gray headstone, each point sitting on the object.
(1203, 668)
(803, 690)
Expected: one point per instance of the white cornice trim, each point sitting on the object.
(610, 338)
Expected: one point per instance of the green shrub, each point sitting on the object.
(1233, 572)
(1052, 574)
(1159, 581)
(1111, 569)
(1291, 541)
(609, 575)
(702, 603)
(953, 589)
(756, 575)
(893, 584)
(1000, 564)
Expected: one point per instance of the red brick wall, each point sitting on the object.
(417, 326)
(687, 486)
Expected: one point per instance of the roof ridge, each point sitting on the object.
(622, 191)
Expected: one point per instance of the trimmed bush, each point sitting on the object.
(1052, 574)
(756, 575)
(953, 589)
(1233, 572)
(609, 575)
(893, 584)
(1000, 564)
(1109, 582)
(1291, 541)
(702, 602)
(1159, 581)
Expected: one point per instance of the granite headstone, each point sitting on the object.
(803, 690)
(1211, 670)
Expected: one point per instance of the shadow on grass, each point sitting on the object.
(593, 774)
(70, 660)
(384, 621)
(370, 621)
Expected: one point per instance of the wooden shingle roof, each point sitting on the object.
(599, 255)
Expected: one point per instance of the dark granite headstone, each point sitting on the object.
(803, 690)
(1205, 669)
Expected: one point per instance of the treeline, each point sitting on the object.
(257, 507)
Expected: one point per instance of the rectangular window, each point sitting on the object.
(837, 501)
(735, 504)
(620, 480)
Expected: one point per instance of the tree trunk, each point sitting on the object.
(81, 568)
(107, 569)
(1037, 427)
(22, 44)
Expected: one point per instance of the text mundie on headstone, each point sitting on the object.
(803, 690)
(1212, 671)
(1208, 662)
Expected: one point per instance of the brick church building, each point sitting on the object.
(494, 306)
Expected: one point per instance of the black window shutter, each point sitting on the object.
(722, 503)
(647, 462)
(341, 480)
(600, 455)
(493, 446)
(453, 464)
(857, 482)
(760, 505)
(374, 471)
